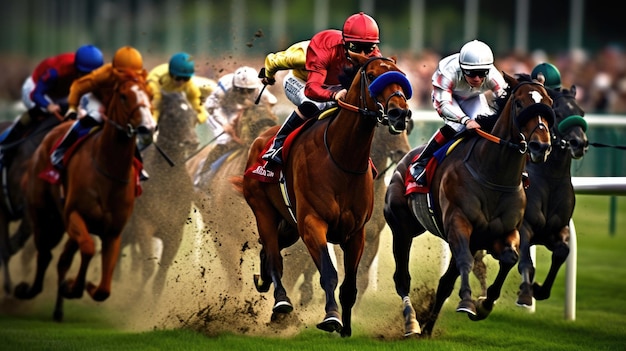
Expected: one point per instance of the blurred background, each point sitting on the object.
(585, 39)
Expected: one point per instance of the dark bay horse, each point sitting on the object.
(329, 187)
(95, 196)
(477, 199)
(162, 210)
(16, 156)
(551, 198)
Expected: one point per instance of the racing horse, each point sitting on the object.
(477, 202)
(94, 195)
(386, 148)
(551, 198)
(329, 188)
(163, 207)
(16, 156)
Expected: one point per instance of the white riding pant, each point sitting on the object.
(294, 91)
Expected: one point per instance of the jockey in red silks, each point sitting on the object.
(327, 58)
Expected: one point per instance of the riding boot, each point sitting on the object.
(78, 129)
(274, 153)
(418, 167)
(143, 175)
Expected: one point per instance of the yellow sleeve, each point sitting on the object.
(292, 58)
(194, 96)
(154, 84)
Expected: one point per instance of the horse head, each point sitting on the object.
(570, 128)
(530, 106)
(129, 108)
(384, 91)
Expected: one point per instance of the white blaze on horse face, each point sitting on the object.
(146, 114)
(536, 96)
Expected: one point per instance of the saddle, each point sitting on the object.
(272, 174)
(410, 184)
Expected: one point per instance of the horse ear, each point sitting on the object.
(394, 59)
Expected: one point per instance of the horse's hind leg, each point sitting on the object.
(559, 256)
(444, 290)
(5, 256)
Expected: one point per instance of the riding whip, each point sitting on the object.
(261, 75)
(204, 146)
(167, 158)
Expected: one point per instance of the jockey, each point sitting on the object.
(175, 76)
(46, 90)
(93, 92)
(551, 75)
(235, 92)
(459, 85)
(327, 57)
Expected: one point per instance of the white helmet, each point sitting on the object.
(476, 55)
(246, 78)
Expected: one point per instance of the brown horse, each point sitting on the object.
(95, 196)
(477, 199)
(16, 156)
(387, 150)
(551, 197)
(163, 207)
(329, 188)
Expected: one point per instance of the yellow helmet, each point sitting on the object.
(128, 57)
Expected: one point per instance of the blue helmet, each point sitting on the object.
(181, 65)
(88, 58)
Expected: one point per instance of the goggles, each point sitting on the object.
(482, 73)
(357, 47)
(181, 79)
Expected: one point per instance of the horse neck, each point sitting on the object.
(349, 139)
(114, 151)
(497, 162)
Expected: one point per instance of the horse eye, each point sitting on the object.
(371, 76)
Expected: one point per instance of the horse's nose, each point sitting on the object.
(539, 151)
(397, 120)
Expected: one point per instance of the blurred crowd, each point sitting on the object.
(600, 78)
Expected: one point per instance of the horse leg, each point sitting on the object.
(66, 289)
(480, 270)
(44, 242)
(328, 281)
(401, 245)
(526, 268)
(110, 253)
(353, 252)
(170, 249)
(79, 239)
(559, 256)
(5, 256)
(444, 290)
(508, 258)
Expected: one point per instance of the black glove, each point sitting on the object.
(70, 115)
(264, 79)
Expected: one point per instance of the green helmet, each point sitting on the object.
(181, 65)
(550, 73)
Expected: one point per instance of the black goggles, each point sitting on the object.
(482, 73)
(366, 48)
(181, 79)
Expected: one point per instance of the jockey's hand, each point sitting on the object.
(268, 81)
(53, 108)
(472, 124)
(341, 94)
(229, 129)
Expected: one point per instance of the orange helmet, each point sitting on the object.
(360, 27)
(128, 57)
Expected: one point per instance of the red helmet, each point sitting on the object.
(360, 27)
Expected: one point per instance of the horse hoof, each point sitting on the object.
(330, 324)
(282, 307)
(24, 292)
(260, 285)
(525, 295)
(482, 310)
(539, 293)
(467, 306)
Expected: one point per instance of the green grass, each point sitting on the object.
(600, 322)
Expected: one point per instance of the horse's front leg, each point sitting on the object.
(508, 258)
(526, 267)
(110, 254)
(79, 239)
(459, 231)
(560, 251)
(353, 252)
